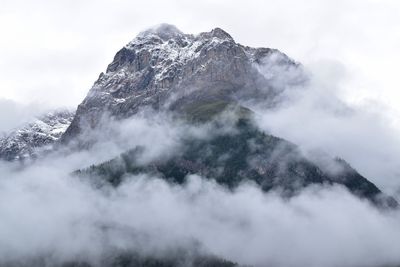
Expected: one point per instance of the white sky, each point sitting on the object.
(52, 51)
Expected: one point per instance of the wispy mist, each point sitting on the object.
(315, 116)
(46, 213)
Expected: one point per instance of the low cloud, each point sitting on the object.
(48, 214)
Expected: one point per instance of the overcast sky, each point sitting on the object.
(52, 51)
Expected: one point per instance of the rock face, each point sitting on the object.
(27, 142)
(165, 68)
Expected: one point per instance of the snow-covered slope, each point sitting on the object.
(38, 135)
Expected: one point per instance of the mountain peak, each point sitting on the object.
(166, 32)
(220, 33)
(166, 68)
(216, 33)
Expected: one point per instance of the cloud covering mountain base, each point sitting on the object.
(49, 214)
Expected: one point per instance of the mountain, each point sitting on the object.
(198, 77)
(39, 135)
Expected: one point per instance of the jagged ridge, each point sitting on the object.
(27, 142)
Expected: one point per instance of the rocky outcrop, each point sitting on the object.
(37, 136)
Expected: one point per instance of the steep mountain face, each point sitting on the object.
(165, 68)
(27, 142)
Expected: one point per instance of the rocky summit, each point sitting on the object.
(165, 68)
